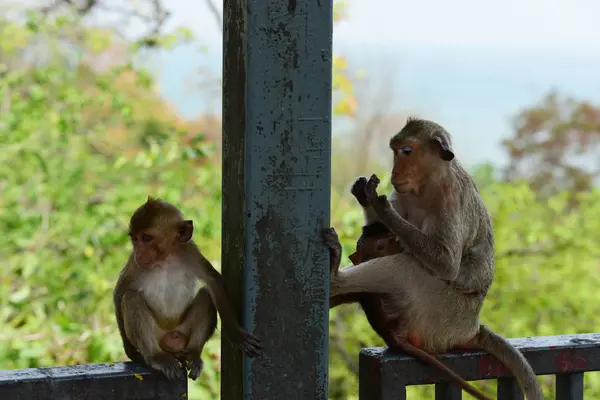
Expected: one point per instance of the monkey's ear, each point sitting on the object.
(185, 231)
(446, 152)
(355, 258)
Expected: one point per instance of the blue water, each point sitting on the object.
(473, 92)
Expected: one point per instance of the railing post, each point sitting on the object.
(374, 381)
(569, 386)
(447, 391)
(509, 389)
(276, 193)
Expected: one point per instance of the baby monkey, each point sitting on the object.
(376, 240)
(163, 319)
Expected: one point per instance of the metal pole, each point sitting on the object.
(276, 193)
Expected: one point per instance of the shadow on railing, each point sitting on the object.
(384, 375)
(113, 381)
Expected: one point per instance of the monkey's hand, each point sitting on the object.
(194, 363)
(332, 241)
(247, 342)
(371, 192)
(358, 191)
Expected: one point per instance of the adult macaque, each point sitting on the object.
(437, 285)
(162, 316)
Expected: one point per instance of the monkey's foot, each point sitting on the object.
(168, 365)
(358, 191)
(248, 343)
(332, 241)
(194, 364)
(371, 192)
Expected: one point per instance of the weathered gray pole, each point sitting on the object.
(276, 193)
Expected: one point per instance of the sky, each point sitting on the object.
(469, 64)
(548, 24)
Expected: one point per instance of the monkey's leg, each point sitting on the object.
(332, 241)
(379, 275)
(350, 280)
(199, 324)
(144, 333)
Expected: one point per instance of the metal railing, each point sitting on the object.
(112, 381)
(384, 375)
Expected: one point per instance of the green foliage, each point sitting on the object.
(64, 209)
(66, 196)
(546, 281)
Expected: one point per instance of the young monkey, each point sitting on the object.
(437, 285)
(162, 317)
(376, 241)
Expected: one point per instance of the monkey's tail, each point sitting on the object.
(512, 358)
(434, 362)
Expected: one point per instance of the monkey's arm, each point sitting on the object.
(204, 270)
(440, 253)
(140, 325)
(130, 350)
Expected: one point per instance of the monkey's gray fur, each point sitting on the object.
(437, 213)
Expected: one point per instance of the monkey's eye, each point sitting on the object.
(406, 150)
(146, 238)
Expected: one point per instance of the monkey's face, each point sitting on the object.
(157, 229)
(368, 248)
(146, 250)
(407, 171)
(153, 245)
(415, 162)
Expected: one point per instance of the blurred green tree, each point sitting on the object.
(85, 138)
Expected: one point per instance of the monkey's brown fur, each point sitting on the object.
(162, 316)
(375, 241)
(440, 219)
